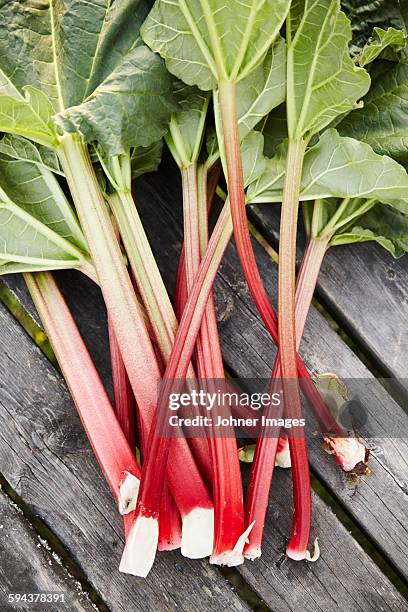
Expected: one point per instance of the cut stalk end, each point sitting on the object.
(198, 533)
(253, 552)
(304, 555)
(128, 491)
(141, 545)
(350, 454)
(282, 458)
(233, 557)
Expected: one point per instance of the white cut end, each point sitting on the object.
(234, 557)
(253, 553)
(349, 452)
(128, 491)
(297, 555)
(282, 458)
(140, 548)
(197, 535)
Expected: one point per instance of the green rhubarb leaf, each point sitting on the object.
(365, 15)
(323, 81)
(28, 116)
(203, 41)
(262, 90)
(336, 167)
(22, 149)
(383, 121)
(186, 128)
(381, 40)
(16, 267)
(131, 106)
(274, 128)
(146, 159)
(382, 224)
(92, 68)
(25, 240)
(35, 190)
(253, 160)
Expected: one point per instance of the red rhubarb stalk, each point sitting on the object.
(109, 444)
(130, 330)
(138, 551)
(226, 481)
(122, 390)
(119, 296)
(152, 289)
(298, 545)
(268, 443)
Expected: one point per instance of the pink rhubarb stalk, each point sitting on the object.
(109, 444)
(226, 481)
(122, 390)
(138, 550)
(132, 336)
(298, 545)
(287, 338)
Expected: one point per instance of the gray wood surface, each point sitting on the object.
(248, 352)
(367, 292)
(29, 566)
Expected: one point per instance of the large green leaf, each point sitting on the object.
(146, 159)
(262, 90)
(29, 116)
(90, 63)
(186, 129)
(25, 240)
(382, 224)
(22, 149)
(205, 41)
(383, 121)
(365, 15)
(336, 167)
(38, 228)
(323, 81)
(253, 161)
(34, 189)
(381, 40)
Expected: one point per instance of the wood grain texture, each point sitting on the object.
(365, 289)
(29, 566)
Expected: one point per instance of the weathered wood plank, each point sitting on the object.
(46, 458)
(342, 579)
(29, 566)
(367, 292)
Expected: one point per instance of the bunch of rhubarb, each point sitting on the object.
(89, 97)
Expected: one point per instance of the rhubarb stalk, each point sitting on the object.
(123, 308)
(298, 545)
(226, 482)
(110, 446)
(130, 330)
(122, 390)
(150, 284)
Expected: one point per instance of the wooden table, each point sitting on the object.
(69, 537)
